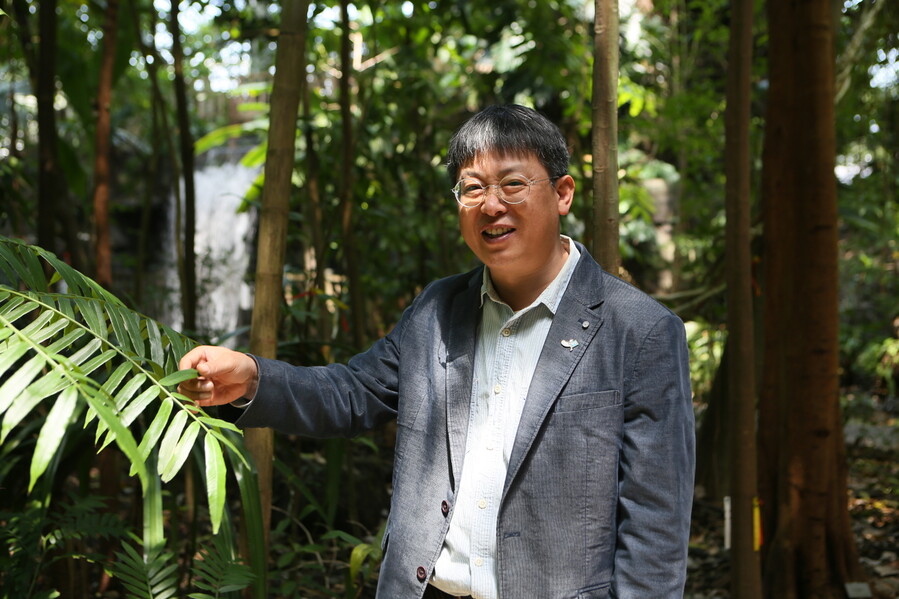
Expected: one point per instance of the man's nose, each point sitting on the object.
(493, 203)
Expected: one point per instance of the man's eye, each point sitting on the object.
(513, 185)
(472, 189)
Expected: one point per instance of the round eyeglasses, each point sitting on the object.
(513, 189)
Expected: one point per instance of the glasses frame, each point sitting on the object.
(457, 191)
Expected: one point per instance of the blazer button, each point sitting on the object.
(421, 574)
(444, 508)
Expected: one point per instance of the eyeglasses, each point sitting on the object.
(513, 189)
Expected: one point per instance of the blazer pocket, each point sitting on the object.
(600, 591)
(588, 401)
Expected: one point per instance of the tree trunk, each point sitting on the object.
(741, 395)
(605, 135)
(48, 167)
(189, 273)
(812, 550)
(163, 144)
(351, 259)
(290, 67)
(316, 220)
(103, 252)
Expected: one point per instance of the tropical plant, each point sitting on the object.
(73, 357)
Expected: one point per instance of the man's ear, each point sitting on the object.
(565, 191)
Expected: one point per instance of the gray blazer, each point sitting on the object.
(599, 488)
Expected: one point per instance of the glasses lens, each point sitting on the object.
(469, 192)
(514, 189)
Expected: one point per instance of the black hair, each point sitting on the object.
(508, 129)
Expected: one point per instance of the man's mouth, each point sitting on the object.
(497, 232)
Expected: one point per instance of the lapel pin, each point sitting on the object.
(570, 344)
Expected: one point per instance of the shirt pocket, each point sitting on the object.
(588, 401)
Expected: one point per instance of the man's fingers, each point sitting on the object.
(192, 359)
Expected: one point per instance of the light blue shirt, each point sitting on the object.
(508, 348)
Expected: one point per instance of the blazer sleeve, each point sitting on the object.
(656, 468)
(338, 400)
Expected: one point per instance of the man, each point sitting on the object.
(545, 427)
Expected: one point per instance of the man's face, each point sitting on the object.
(516, 241)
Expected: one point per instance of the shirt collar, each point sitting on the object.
(552, 295)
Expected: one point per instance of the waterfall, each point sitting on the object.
(222, 247)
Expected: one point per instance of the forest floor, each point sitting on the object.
(872, 447)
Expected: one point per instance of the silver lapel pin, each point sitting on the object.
(570, 344)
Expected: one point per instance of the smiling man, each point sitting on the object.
(545, 426)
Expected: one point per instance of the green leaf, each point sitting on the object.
(155, 430)
(97, 361)
(170, 440)
(118, 327)
(136, 407)
(132, 325)
(182, 450)
(157, 354)
(92, 314)
(123, 437)
(357, 558)
(215, 480)
(18, 381)
(52, 432)
(14, 350)
(178, 377)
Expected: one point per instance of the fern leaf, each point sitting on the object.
(217, 570)
(155, 577)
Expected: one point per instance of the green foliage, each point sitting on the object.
(73, 357)
(83, 346)
(219, 571)
(34, 539)
(150, 576)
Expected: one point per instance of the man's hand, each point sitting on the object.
(225, 375)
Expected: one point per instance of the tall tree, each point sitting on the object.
(45, 84)
(741, 395)
(605, 135)
(290, 68)
(351, 258)
(189, 271)
(103, 252)
(811, 550)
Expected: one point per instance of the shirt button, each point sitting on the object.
(482, 504)
(507, 332)
(444, 508)
(478, 562)
(497, 388)
(421, 574)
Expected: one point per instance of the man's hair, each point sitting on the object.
(508, 130)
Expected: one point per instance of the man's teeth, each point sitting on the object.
(497, 231)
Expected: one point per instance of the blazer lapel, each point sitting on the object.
(573, 328)
(460, 349)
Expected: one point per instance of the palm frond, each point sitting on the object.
(83, 355)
